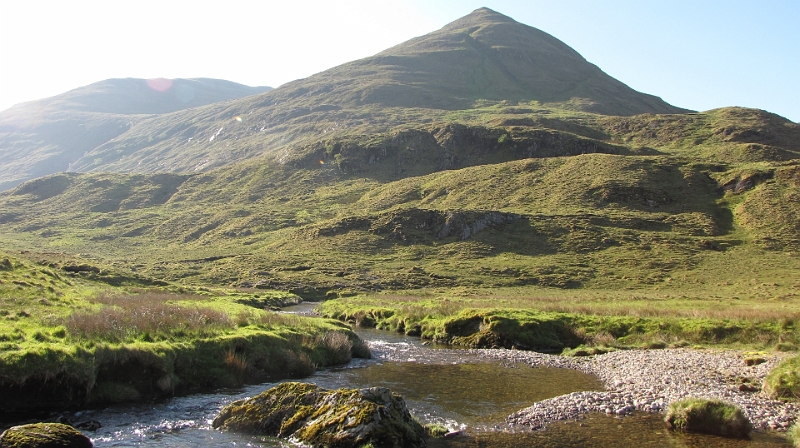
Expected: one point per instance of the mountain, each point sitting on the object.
(403, 172)
(45, 136)
(483, 58)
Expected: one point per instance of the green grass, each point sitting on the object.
(794, 434)
(68, 338)
(708, 416)
(530, 322)
(494, 210)
(783, 382)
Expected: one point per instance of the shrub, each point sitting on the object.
(709, 417)
(783, 382)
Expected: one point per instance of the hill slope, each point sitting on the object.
(304, 188)
(482, 59)
(484, 55)
(46, 136)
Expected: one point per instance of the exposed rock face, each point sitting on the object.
(44, 435)
(415, 225)
(321, 417)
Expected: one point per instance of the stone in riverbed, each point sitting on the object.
(321, 417)
(44, 435)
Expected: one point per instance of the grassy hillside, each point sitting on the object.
(609, 218)
(47, 136)
(481, 60)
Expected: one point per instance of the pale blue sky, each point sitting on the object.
(699, 54)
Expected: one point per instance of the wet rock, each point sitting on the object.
(321, 417)
(44, 435)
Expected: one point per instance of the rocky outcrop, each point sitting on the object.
(320, 417)
(417, 225)
(428, 149)
(44, 435)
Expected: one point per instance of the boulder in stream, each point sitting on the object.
(44, 435)
(321, 417)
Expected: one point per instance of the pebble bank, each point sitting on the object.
(649, 380)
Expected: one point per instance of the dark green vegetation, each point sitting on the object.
(481, 185)
(49, 135)
(72, 335)
(708, 416)
(373, 417)
(44, 435)
(783, 383)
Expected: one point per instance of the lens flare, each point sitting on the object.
(322, 162)
(237, 118)
(159, 84)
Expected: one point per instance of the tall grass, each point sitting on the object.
(146, 316)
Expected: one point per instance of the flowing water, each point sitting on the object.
(447, 386)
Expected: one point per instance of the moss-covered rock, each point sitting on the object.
(709, 417)
(321, 417)
(44, 435)
(783, 382)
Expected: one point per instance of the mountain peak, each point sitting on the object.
(480, 16)
(484, 55)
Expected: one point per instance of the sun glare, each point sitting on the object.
(159, 84)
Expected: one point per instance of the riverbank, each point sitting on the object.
(73, 335)
(648, 380)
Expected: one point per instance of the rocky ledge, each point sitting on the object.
(315, 416)
(649, 380)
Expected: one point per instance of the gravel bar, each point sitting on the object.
(649, 380)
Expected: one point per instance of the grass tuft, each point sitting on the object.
(783, 382)
(794, 434)
(708, 416)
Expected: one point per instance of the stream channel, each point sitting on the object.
(440, 385)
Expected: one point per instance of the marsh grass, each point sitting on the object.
(146, 317)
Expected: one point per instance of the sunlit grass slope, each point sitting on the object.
(73, 334)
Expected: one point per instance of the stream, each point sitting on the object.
(441, 385)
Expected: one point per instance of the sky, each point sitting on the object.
(696, 54)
